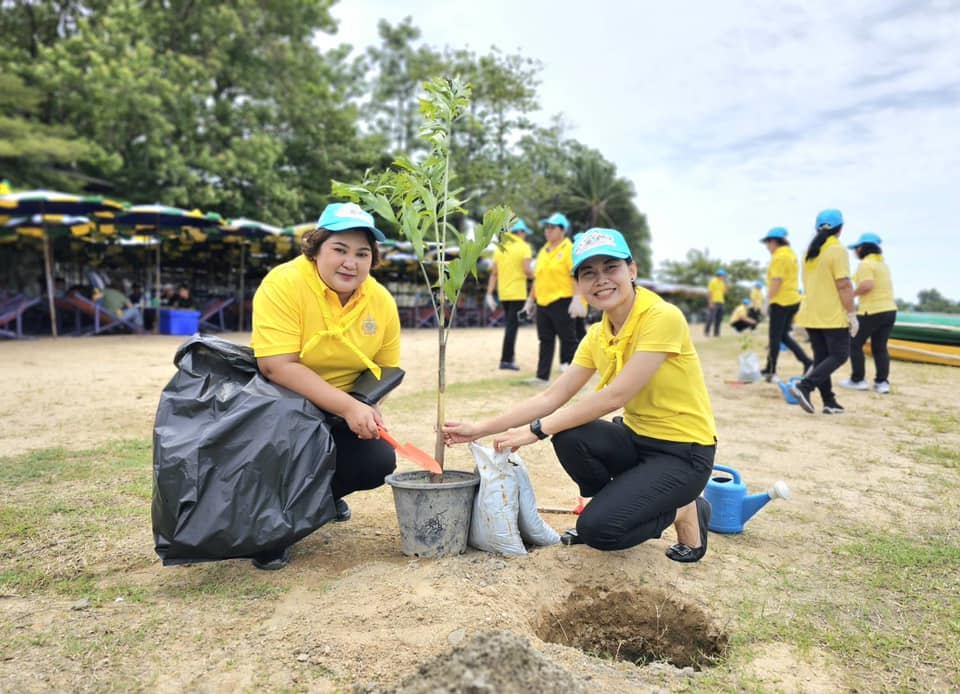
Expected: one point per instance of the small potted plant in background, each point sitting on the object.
(433, 510)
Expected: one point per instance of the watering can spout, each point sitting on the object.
(754, 502)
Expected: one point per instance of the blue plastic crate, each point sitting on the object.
(176, 321)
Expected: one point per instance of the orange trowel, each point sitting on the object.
(412, 453)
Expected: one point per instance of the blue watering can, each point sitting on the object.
(732, 507)
(785, 389)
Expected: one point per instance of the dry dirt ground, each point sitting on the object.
(350, 609)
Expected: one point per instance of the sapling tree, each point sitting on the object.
(417, 197)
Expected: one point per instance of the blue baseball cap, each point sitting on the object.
(775, 233)
(758, 283)
(721, 273)
(866, 238)
(829, 219)
(746, 302)
(598, 241)
(557, 219)
(342, 216)
(520, 226)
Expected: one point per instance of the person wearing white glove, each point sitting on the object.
(508, 276)
(553, 290)
(875, 316)
(826, 311)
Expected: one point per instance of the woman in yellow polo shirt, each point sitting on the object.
(555, 297)
(321, 320)
(783, 298)
(877, 314)
(826, 311)
(645, 470)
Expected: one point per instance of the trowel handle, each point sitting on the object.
(730, 471)
(386, 437)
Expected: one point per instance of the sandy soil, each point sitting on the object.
(355, 610)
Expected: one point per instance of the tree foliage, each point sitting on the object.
(698, 268)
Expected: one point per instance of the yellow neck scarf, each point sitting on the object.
(615, 346)
(337, 328)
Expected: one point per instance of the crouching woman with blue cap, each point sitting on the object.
(321, 320)
(646, 469)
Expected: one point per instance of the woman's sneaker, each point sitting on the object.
(881, 387)
(803, 397)
(855, 385)
(833, 407)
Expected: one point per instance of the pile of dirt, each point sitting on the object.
(498, 662)
(639, 626)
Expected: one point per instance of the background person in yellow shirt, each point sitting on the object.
(553, 298)
(512, 266)
(740, 319)
(321, 320)
(645, 470)
(716, 293)
(877, 314)
(783, 301)
(755, 309)
(826, 311)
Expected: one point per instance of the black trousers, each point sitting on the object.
(512, 321)
(831, 347)
(714, 318)
(877, 328)
(637, 483)
(741, 325)
(361, 463)
(554, 322)
(781, 320)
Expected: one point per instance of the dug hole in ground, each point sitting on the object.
(101, 612)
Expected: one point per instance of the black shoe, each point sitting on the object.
(803, 397)
(271, 561)
(343, 511)
(833, 407)
(681, 552)
(571, 537)
(509, 366)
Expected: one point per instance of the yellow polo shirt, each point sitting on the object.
(717, 290)
(880, 298)
(295, 312)
(739, 313)
(756, 297)
(674, 405)
(821, 306)
(783, 266)
(509, 257)
(551, 276)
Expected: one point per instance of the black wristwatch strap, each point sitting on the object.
(537, 431)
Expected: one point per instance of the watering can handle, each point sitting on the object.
(728, 470)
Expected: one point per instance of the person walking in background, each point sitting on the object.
(554, 299)
(877, 314)
(783, 301)
(645, 470)
(512, 266)
(826, 311)
(740, 319)
(716, 293)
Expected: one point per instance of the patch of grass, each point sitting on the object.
(888, 605)
(946, 456)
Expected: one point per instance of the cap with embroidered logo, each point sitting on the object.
(598, 241)
(342, 216)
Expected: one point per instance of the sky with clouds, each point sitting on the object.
(734, 117)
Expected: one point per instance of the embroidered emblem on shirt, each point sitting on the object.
(369, 326)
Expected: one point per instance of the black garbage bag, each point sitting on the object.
(240, 465)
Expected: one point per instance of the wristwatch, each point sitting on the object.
(537, 431)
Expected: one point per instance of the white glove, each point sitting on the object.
(530, 307)
(854, 324)
(577, 309)
(490, 302)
